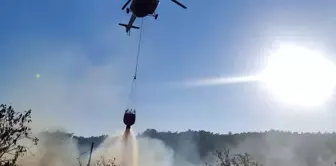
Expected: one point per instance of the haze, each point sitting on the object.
(72, 65)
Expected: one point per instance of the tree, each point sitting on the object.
(13, 129)
(224, 158)
(104, 162)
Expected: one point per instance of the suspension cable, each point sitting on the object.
(138, 53)
(136, 63)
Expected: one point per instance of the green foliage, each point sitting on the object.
(224, 158)
(104, 162)
(86, 141)
(13, 128)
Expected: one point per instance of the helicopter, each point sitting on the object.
(142, 8)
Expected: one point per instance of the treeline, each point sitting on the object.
(80, 140)
(206, 141)
(276, 148)
(269, 147)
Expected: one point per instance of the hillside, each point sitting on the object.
(267, 147)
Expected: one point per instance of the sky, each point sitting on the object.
(86, 62)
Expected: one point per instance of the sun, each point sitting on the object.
(297, 75)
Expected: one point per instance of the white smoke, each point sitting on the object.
(60, 150)
(53, 149)
(280, 148)
(270, 149)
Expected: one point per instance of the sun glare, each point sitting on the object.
(299, 76)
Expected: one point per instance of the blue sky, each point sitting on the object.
(86, 62)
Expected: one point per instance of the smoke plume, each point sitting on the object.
(56, 149)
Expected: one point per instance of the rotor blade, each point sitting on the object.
(180, 4)
(125, 4)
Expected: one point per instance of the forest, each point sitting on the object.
(192, 147)
(273, 146)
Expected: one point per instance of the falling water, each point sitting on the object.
(130, 149)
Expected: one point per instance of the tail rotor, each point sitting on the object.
(125, 5)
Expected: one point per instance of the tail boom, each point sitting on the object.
(129, 27)
(130, 24)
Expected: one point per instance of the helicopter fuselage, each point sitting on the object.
(143, 8)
